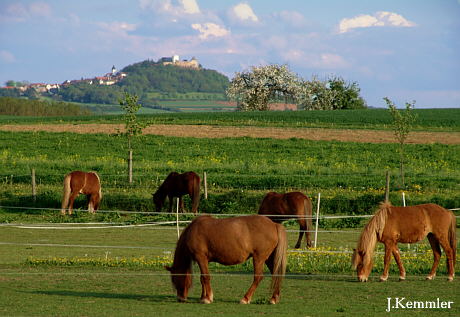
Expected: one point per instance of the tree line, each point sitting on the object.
(32, 107)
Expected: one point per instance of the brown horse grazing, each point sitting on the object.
(78, 182)
(177, 185)
(391, 225)
(282, 207)
(229, 241)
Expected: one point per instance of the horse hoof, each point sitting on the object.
(402, 279)
(450, 279)
(274, 301)
(383, 279)
(429, 278)
(244, 301)
(206, 301)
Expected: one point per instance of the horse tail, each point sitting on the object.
(372, 232)
(453, 236)
(196, 194)
(66, 194)
(280, 260)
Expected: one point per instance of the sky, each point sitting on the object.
(405, 50)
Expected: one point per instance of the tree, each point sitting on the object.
(316, 95)
(346, 95)
(402, 123)
(132, 126)
(254, 89)
(332, 94)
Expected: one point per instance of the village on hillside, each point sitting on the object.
(110, 78)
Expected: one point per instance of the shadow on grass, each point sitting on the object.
(136, 297)
(149, 298)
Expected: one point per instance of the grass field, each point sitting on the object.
(91, 290)
(51, 266)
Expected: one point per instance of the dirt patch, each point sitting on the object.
(208, 131)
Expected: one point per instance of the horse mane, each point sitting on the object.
(373, 231)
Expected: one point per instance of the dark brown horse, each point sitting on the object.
(177, 185)
(79, 182)
(281, 207)
(411, 224)
(229, 241)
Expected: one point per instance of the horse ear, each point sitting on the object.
(361, 253)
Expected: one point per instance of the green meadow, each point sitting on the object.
(111, 263)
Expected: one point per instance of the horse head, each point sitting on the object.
(181, 280)
(158, 200)
(362, 263)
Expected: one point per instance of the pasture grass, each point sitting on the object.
(120, 292)
(79, 289)
(350, 176)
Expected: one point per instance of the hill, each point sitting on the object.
(149, 76)
(152, 81)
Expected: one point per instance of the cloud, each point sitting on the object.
(7, 57)
(209, 30)
(316, 60)
(381, 18)
(177, 8)
(243, 12)
(292, 18)
(117, 27)
(18, 12)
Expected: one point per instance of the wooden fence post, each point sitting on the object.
(317, 219)
(130, 166)
(34, 185)
(205, 182)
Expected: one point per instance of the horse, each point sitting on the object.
(411, 224)
(86, 183)
(177, 185)
(281, 207)
(229, 241)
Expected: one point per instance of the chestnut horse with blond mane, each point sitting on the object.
(229, 241)
(411, 224)
(78, 182)
(177, 185)
(293, 205)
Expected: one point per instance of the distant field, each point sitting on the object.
(427, 119)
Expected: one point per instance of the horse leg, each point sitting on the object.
(90, 203)
(386, 260)
(303, 229)
(181, 204)
(434, 242)
(271, 266)
(258, 276)
(207, 297)
(171, 199)
(73, 195)
(397, 256)
(450, 262)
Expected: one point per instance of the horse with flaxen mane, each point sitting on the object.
(281, 207)
(78, 182)
(177, 185)
(411, 224)
(229, 241)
